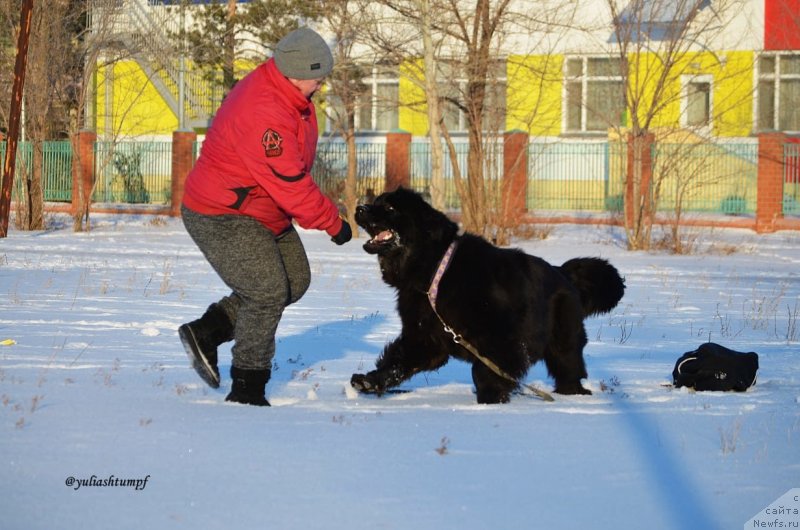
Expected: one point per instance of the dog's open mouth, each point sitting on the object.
(383, 236)
(381, 240)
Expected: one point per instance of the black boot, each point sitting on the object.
(200, 339)
(248, 386)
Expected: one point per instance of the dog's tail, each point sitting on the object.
(598, 282)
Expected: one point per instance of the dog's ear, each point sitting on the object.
(439, 226)
(428, 222)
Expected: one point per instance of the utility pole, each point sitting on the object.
(14, 115)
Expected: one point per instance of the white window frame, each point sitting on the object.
(584, 79)
(372, 82)
(686, 81)
(461, 127)
(461, 83)
(775, 77)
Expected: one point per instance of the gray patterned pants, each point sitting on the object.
(265, 273)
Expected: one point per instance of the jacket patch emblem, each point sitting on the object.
(272, 143)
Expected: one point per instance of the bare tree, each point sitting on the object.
(9, 30)
(399, 28)
(345, 19)
(431, 47)
(463, 51)
(96, 48)
(225, 32)
(81, 35)
(44, 111)
(655, 42)
(458, 39)
(46, 105)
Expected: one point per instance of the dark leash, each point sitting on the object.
(432, 293)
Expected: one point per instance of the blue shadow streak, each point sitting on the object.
(325, 342)
(666, 471)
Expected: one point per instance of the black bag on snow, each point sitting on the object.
(715, 367)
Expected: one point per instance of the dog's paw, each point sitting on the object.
(366, 384)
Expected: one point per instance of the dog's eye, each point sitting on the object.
(388, 207)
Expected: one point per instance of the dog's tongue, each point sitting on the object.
(383, 236)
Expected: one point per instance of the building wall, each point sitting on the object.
(535, 92)
(732, 89)
(734, 93)
(136, 108)
(782, 24)
(534, 96)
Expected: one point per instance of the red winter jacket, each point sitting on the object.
(257, 157)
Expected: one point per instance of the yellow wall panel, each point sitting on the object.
(534, 94)
(732, 86)
(733, 95)
(138, 107)
(100, 117)
(413, 112)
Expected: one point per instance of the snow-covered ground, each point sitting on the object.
(95, 388)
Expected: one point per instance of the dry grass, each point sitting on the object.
(529, 232)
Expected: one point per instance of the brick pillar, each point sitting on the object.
(515, 177)
(398, 160)
(182, 162)
(769, 200)
(634, 196)
(83, 169)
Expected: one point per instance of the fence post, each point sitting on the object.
(83, 171)
(515, 177)
(398, 165)
(769, 198)
(182, 162)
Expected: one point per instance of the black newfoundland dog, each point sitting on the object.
(512, 308)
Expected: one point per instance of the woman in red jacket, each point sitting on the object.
(251, 181)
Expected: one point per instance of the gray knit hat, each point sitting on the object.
(303, 54)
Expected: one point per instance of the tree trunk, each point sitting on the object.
(228, 73)
(80, 215)
(350, 195)
(437, 186)
(36, 189)
(476, 185)
(639, 208)
(477, 67)
(466, 212)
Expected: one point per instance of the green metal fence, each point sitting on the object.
(22, 167)
(420, 169)
(715, 178)
(56, 169)
(576, 176)
(330, 168)
(566, 176)
(791, 179)
(133, 172)
(585, 176)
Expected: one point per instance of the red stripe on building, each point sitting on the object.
(782, 24)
